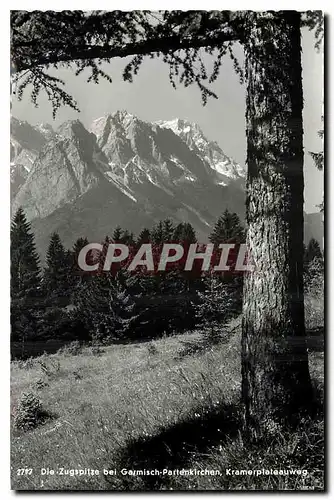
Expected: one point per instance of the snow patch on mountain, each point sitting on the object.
(208, 151)
(120, 184)
(145, 171)
(192, 209)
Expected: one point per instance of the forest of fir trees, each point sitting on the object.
(55, 301)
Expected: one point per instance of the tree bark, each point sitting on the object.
(275, 376)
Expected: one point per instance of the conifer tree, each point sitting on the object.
(117, 234)
(77, 277)
(57, 273)
(25, 266)
(184, 232)
(158, 233)
(214, 304)
(79, 245)
(228, 228)
(127, 238)
(313, 266)
(168, 230)
(312, 251)
(107, 306)
(25, 280)
(144, 236)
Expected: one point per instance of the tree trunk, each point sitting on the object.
(275, 375)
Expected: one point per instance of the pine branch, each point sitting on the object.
(146, 47)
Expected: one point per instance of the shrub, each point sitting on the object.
(29, 412)
(77, 375)
(96, 350)
(50, 368)
(219, 301)
(72, 349)
(40, 384)
(314, 312)
(25, 364)
(61, 323)
(152, 350)
(107, 308)
(314, 294)
(314, 277)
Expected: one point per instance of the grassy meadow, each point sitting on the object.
(169, 403)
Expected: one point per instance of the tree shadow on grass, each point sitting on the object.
(207, 343)
(174, 447)
(211, 337)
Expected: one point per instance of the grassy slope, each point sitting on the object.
(119, 408)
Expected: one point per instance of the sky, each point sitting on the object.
(151, 97)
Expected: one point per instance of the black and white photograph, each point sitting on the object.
(167, 250)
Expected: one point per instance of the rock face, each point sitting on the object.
(25, 144)
(123, 171)
(140, 152)
(65, 168)
(18, 176)
(210, 153)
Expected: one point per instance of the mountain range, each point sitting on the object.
(122, 171)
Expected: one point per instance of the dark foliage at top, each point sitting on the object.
(41, 40)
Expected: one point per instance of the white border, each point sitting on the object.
(171, 5)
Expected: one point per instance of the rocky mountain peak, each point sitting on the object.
(112, 123)
(180, 126)
(25, 135)
(46, 130)
(124, 170)
(26, 142)
(72, 129)
(69, 164)
(209, 151)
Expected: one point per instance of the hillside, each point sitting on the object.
(168, 404)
